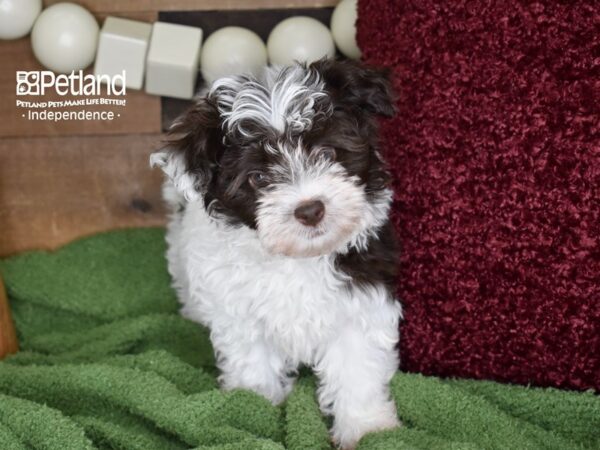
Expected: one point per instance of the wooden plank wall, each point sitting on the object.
(8, 336)
(191, 5)
(62, 181)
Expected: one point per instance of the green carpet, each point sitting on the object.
(107, 363)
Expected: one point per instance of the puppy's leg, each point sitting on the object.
(251, 363)
(354, 372)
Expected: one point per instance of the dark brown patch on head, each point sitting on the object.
(358, 86)
(197, 136)
(360, 94)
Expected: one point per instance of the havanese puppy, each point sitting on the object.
(279, 239)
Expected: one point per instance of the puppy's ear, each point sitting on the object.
(192, 150)
(356, 84)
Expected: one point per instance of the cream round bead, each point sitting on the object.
(230, 51)
(64, 37)
(343, 28)
(17, 17)
(301, 39)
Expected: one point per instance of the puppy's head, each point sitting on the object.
(292, 154)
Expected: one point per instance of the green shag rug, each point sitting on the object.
(106, 362)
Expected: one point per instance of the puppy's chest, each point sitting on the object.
(294, 302)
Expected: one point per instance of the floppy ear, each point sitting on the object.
(357, 84)
(193, 145)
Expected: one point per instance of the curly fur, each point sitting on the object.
(275, 292)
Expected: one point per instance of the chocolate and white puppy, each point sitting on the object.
(279, 240)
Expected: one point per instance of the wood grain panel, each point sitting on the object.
(140, 115)
(8, 337)
(197, 5)
(53, 190)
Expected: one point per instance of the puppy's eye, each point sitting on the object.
(327, 153)
(257, 179)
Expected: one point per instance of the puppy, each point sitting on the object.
(279, 240)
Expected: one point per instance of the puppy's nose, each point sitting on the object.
(310, 213)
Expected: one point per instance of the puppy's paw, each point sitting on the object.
(348, 430)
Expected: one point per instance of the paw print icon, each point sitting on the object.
(28, 83)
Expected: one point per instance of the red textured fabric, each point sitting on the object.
(496, 155)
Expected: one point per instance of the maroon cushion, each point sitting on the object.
(496, 157)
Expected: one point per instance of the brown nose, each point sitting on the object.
(310, 213)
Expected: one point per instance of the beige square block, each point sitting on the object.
(122, 46)
(172, 62)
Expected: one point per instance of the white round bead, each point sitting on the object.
(343, 28)
(17, 17)
(230, 51)
(299, 38)
(64, 37)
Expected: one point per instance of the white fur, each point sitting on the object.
(268, 314)
(349, 218)
(173, 166)
(284, 99)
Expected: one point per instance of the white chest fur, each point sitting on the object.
(226, 280)
(267, 314)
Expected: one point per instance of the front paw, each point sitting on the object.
(349, 429)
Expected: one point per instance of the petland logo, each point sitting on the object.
(38, 82)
